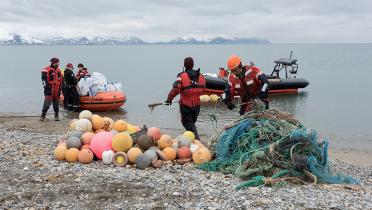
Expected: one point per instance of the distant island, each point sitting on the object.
(16, 39)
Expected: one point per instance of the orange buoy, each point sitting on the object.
(72, 155)
(85, 156)
(202, 155)
(60, 151)
(122, 142)
(165, 141)
(99, 131)
(154, 133)
(85, 146)
(87, 137)
(170, 153)
(97, 122)
(184, 152)
(133, 153)
(120, 126)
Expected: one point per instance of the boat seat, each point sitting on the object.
(286, 61)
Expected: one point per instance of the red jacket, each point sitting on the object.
(247, 87)
(190, 91)
(52, 79)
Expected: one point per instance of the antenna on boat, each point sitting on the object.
(290, 56)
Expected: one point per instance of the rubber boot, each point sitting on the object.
(56, 118)
(42, 117)
(76, 109)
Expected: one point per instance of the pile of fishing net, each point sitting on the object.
(269, 147)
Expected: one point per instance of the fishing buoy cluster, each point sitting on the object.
(121, 143)
(206, 98)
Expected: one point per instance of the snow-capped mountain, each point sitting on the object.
(217, 40)
(16, 39)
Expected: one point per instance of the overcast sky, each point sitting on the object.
(280, 21)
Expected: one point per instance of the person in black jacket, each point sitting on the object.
(72, 95)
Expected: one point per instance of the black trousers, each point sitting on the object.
(72, 98)
(189, 117)
(64, 97)
(47, 102)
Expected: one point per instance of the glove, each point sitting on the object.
(168, 102)
(230, 105)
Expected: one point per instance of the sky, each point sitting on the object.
(280, 21)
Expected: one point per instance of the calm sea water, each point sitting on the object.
(337, 103)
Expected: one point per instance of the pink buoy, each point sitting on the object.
(154, 133)
(101, 142)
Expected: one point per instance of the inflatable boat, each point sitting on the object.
(290, 84)
(103, 101)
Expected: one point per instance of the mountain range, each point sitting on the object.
(16, 39)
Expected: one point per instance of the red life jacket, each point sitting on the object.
(54, 79)
(190, 94)
(249, 86)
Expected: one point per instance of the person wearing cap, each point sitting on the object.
(71, 93)
(246, 81)
(51, 77)
(190, 84)
(82, 72)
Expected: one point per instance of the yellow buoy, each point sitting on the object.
(202, 155)
(204, 98)
(165, 141)
(72, 124)
(213, 98)
(97, 122)
(189, 135)
(131, 129)
(133, 153)
(122, 142)
(60, 151)
(120, 126)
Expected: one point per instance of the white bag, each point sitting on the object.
(99, 79)
(114, 86)
(85, 87)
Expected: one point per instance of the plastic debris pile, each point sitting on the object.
(92, 137)
(272, 148)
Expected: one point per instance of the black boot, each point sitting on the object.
(56, 118)
(42, 117)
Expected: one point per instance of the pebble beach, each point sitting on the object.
(30, 177)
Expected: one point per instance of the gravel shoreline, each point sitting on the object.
(31, 177)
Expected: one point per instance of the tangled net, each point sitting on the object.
(272, 148)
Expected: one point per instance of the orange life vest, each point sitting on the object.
(191, 91)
